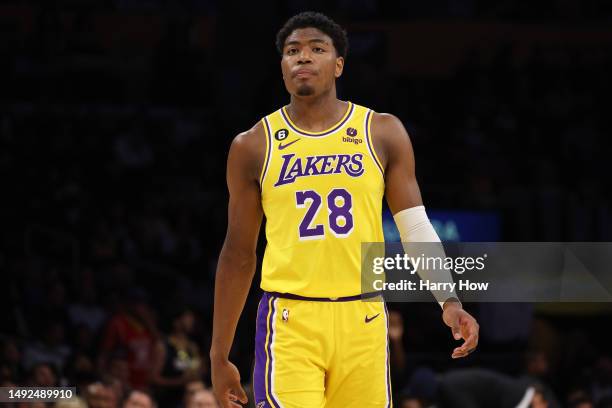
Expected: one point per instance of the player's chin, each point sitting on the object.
(305, 90)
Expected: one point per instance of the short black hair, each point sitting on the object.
(308, 19)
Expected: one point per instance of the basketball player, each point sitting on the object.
(317, 168)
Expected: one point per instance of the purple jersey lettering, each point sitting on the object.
(292, 166)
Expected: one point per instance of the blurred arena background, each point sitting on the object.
(115, 120)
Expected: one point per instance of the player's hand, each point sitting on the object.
(463, 326)
(226, 384)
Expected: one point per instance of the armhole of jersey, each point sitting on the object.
(264, 169)
(368, 130)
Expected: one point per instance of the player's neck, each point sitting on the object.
(316, 114)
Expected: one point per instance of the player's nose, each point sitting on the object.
(305, 57)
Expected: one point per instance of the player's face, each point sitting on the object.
(310, 63)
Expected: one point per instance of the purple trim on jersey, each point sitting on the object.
(338, 126)
(275, 403)
(388, 373)
(261, 329)
(370, 147)
(260, 374)
(269, 141)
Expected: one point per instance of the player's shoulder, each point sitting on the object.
(388, 129)
(254, 139)
(386, 122)
(251, 138)
(248, 149)
(388, 135)
(381, 122)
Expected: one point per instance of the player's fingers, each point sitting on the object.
(240, 394)
(456, 332)
(459, 355)
(229, 403)
(465, 348)
(462, 352)
(471, 341)
(461, 349)
(227, 399)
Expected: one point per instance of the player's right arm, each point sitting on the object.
(237, 260)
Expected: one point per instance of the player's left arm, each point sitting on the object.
(394, 149)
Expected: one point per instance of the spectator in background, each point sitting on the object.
(74, 402)
(85, 311)
(32, 405)
(132, 331)
(139, 399)
(177, 359)
(80, 371)
(202, 399)
(191, 388)
(537, 370)
(42, 375)
(118, 374)
(99, 395)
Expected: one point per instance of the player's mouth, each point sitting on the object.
(304, 73)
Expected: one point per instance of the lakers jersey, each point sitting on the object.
(322, 196)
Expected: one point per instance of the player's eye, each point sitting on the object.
(318, 49)
(291, 51)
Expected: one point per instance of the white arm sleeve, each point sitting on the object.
(414, 226)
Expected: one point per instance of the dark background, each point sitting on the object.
(116, 117)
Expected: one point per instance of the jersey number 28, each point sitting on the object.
(339, 207)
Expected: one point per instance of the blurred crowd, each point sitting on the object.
(114, 200)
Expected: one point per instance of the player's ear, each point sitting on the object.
(339, 66)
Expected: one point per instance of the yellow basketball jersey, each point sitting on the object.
(322, 196)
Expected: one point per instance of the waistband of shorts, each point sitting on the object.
(325, 299)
